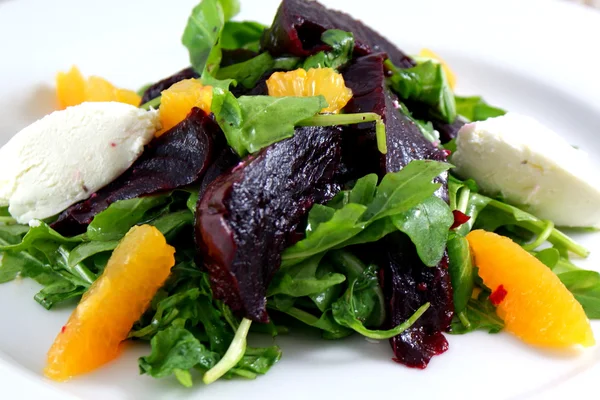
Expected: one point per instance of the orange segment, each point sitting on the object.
(315, 82)
(536, 306)
(450, 75)
(70, 88)
(136, 270)
(178, 100)
(73, 89)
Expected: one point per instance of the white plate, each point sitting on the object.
(536, 57)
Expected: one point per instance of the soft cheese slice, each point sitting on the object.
(530, 165)
(68, 155)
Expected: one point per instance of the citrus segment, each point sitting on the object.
(450, 75)
(137, 268)
(73, 89)
(314, 82)
(531, 299)
(178, 100)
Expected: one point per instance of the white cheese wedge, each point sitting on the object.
(68, 155)
(531, 166)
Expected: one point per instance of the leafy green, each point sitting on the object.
(39, 231)
(248, 72)
(342, 45)
(427, 226)
(258, 360)
(175, 348)
(253, 122)
(474, 108)
(550, 257)
(398, 192)
(234, 354)
(425, 127)
(301, 279)
(425, 83)
(203, 31)
(481, 315)
(585, 286)
(346, 310)
(114, 222)
(242, 35)
(88, 249)
(460, 267)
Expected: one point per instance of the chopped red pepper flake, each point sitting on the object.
(498, 295)
(64, 328)
(459, 219)
(447, 152)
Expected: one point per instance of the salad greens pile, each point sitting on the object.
(321, 282)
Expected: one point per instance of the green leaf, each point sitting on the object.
(58, 291)
(88, 249)
(204, 28)
(234, 354)
(37, 232)
(460, 267)
(228, 114)
(324, 299)
(585, 286)
(248, 72)
(331, 329)
(114, 222)
(549, 257)
(364, 190)
(175, 348)
(242, 35)
(425, 127)
(427, 225)
(259, 360)
(301, 279)
(481, 315)
(342, 46)
(344, 314)
(425, 83)
(171, 223)
(476, 109)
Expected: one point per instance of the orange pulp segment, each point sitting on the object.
(106, 313)
(536, 307)
(314, 82)
(73, 89)
(178, 100)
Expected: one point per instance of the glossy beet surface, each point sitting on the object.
(154, 90)
(298, 26)
(405, 142)
(248, 216)
(177, 158)
(408, 284)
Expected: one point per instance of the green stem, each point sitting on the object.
(154, 103)
(542, 237)
(464, 319)
(350, 119)
(463, 200)
(536, 226)
(234, 354)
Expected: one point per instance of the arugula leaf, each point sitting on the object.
(398, 192)
(234, 354)
(474, 108)
(481, 315)
(425, 83)
(170, 223)
(58, 291)
(38, 231)
(88, 249)
(344, 313)
(301, 279)
(114, 222)
(258, 360)
(585, 286)
(248, 72)
(253, 122)
(175, 348)
(460, 267)
(324, 299)
(342, 46)
(331, 329)
(425, 127)
(549, 257)
(242, 35)
(427, 225)
(203, 30)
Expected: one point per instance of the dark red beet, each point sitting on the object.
(298, 26)
(408, 284)
(154, 91)
(447, 131)
(405, 142)
(248, 215)
(177, 158)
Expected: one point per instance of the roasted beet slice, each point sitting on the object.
(154, 91)
(177, 158)
(248, 216)
(408, 284)
(298, 26)
(405, 143)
